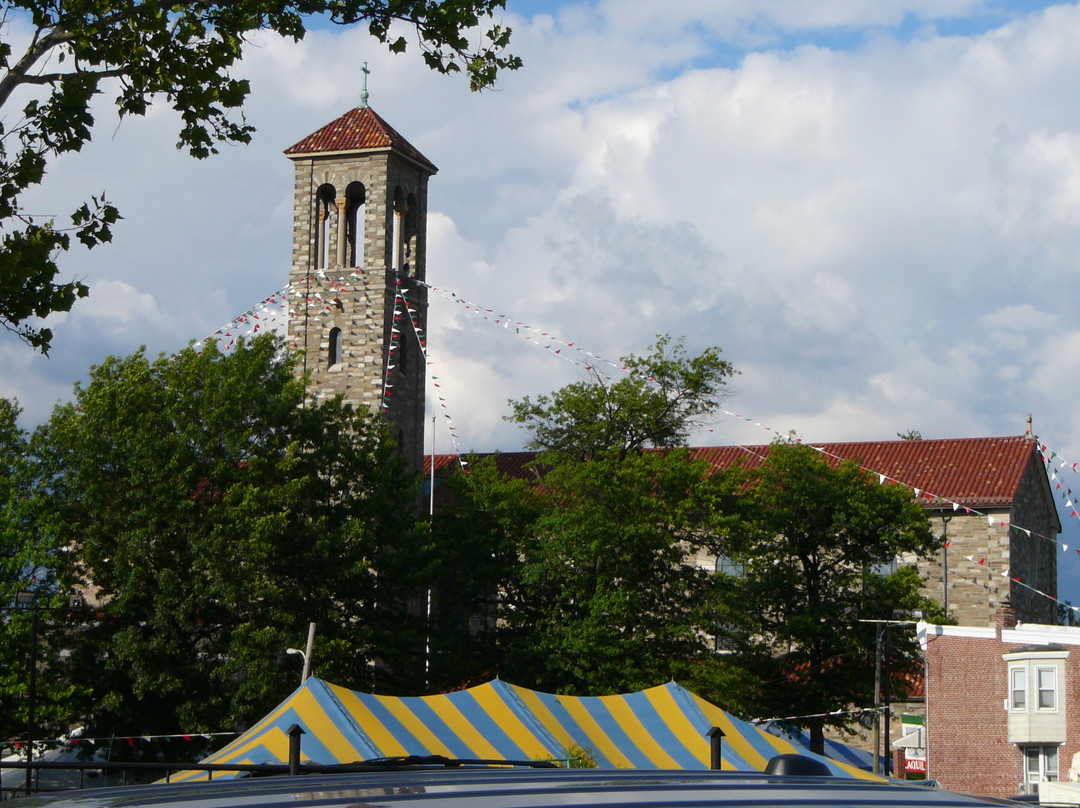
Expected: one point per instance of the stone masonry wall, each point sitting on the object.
(1035, 555)
(362, 307)
(976, 591)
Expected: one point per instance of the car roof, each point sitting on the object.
(513, 788)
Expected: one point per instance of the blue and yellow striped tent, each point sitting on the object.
(659, 728)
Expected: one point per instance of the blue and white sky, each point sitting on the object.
(873, 208)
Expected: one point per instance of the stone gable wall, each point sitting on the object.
(976, 591)
(1035, 556)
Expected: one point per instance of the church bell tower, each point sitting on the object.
(359, 312)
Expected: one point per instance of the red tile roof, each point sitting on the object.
(970, 471)
(359, 129)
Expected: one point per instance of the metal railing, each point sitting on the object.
(125, 772)
(161, 771)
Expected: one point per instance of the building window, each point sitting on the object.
(885, 568)
(334, 357)
(1046, 681)
(1042, 765)
(729, 566)
(1018, 689)
(355, 221)
(324, 214)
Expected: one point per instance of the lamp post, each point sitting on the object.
(27, 600)
(298, 652)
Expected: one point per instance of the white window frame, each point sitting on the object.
(1040, 690)
(1047, 771)
(1018, 672)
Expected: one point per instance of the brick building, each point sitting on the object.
(358, 252)
(1000, 701)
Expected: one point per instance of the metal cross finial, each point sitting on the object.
(364, 92)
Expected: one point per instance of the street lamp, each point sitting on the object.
(298, 652)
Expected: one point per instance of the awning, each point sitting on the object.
(659, 728)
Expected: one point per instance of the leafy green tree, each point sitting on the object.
(815, 547)
(605, 603)
(212, 516)
(181, 53)
(27, 550)
(472, 564)
(592, 596)
(663, 396)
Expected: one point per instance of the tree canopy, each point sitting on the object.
(210, 517)
(599, 600)
(663, 396)
(592, 595)
(814, 550)
(25, 567)
(181, 53)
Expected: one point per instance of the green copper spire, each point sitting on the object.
(364, 92)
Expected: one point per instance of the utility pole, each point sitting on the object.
(888, 704)
(877, 699)
(882, 691)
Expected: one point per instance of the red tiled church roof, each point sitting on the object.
(969, 471)
(359, 129)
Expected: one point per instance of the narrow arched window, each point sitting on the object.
(324, 213)
(334, 357)
(400, 209)
(408, 235)
(355, 216)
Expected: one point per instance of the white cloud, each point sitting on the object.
(881, 236)
(115, 302)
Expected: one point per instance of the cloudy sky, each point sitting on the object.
(873, 208)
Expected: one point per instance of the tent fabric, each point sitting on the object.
(835, 750)
(660, 728)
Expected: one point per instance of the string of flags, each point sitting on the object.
(274, 311)
(935, 499)
(567, 351)
(593, 361)
(392, 352)
(269, 315)
(421, 340)
(130, 740)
